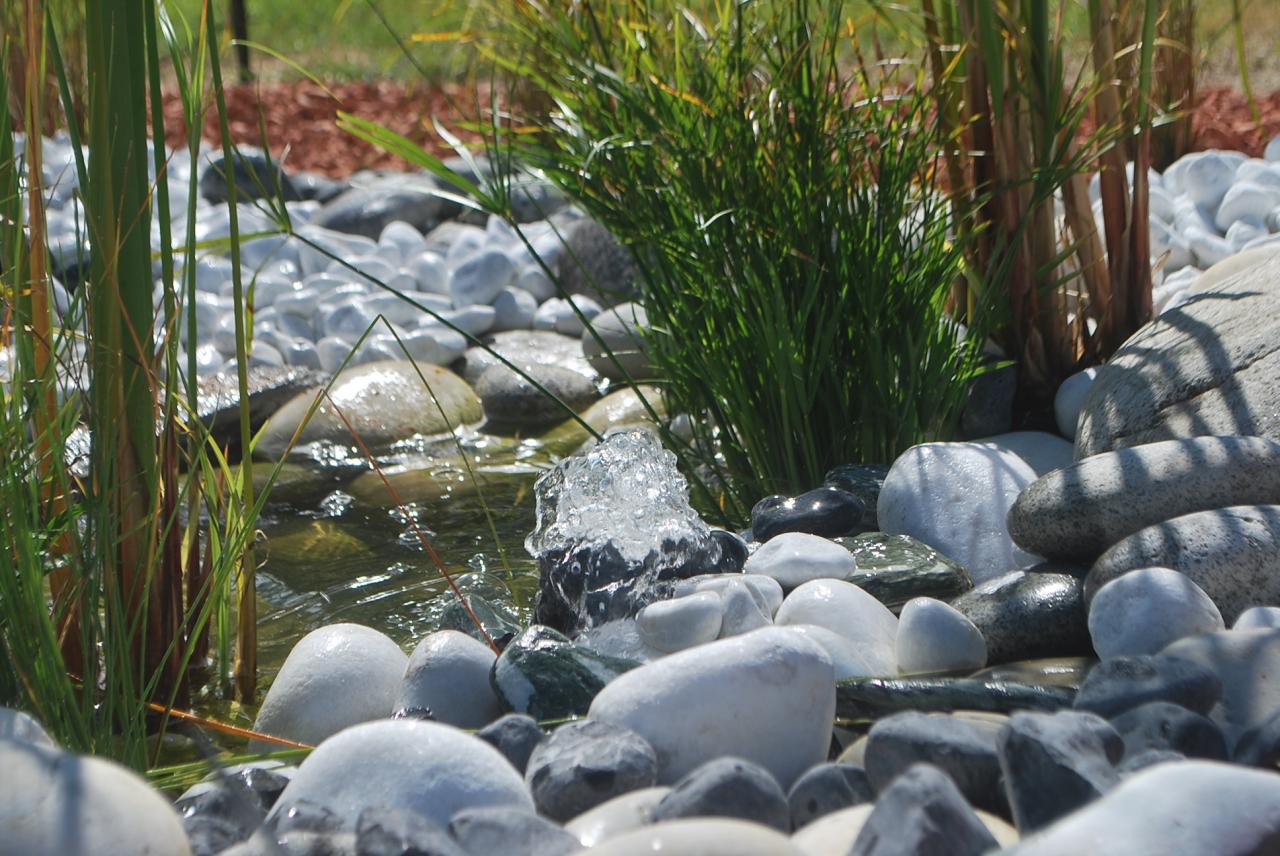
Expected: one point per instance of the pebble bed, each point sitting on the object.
(1024, 642)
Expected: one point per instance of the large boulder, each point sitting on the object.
(1208, 366)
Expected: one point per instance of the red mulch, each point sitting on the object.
(300, 117)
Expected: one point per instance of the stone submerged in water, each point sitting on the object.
(1023, 616)
(614, 529)
(1076, 513)
(826, 511)
(1233, 554)
(543, 674)
(896, 568)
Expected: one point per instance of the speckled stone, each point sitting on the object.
(1231, 553)
(1023, 616)
(1207, 366)
(1077, 512)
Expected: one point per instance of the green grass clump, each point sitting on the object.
(795, 270)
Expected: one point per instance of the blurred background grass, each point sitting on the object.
(351, 39)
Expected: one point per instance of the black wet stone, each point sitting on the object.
(727, 787)
(585, 586)
(1164, 725)
(226, 811)
(825, 511)
(543, 674)
(826, 788)
(896, 568)
(863, 481)
(1056, 763)
(515, 735)
(961, 748)
(874, 698)
(1123, 683)
(493, 830)
(923, 814)
(1024, 616)
(256, 178)
(389, 832)
(586, 763)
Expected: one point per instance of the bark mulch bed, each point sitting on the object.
(299, 120)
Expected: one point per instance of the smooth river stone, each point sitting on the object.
(1231, 553)
(1205, 367)
(826, 511)
(1070, 398)
(922, 812)
(834, 834)
(511, 399)
(682, 622)
(767, 590)
(874, 698)
(963, 747)
(405, 765)
(1248, 664)
(795, 558)
(383, 401)
(1076, 513)
(703, 836)
(847, 610)
(1024, 616)
(730, 697)
(934, 637)
(586, 763)
(1191, 808)
(620, 814)
(955, 497)
(863, 481)
(1042, 451)
(1258, 618)
(335, 676)
(896, 568)
(622, 331)
(1144, 610)
(448, 674)
(55, 802)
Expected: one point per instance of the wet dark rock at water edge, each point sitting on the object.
(1047, 671)
(499, 623)
(270, 387)
(225, 811)
(1024, 616)
(825, 511)
(543, 674)
(863, 481)
(896, 568)
(873, 698)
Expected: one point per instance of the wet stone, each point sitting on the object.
(897, 568)
(543, 674)
(863, 481)
(1047, 671)
(875, 698)
(499, 622)
(825, 511)
(1023, 616)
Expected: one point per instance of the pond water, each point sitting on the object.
(340, 548)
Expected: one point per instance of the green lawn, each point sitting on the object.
(348, 39)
